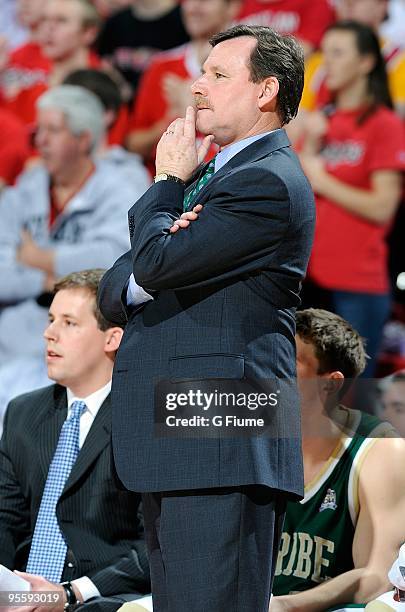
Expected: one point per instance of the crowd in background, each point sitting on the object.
(139, 58)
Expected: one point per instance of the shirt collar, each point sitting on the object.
(230, 151)
(92, 401)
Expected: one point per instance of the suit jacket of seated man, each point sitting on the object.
(226, 292)
(102, 523)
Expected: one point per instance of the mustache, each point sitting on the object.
(201, 101)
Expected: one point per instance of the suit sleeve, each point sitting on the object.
(129, 573)
(14, 510)
(240, 227)
(111, 293)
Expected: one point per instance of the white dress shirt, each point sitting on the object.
(136, 295)
(93, 402)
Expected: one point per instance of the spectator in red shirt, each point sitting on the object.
(68, 29)
(305, 19)
(164, 92)
(353, 155)
(26, 65)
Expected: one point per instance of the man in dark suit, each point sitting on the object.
(95, 542)
(220, 318)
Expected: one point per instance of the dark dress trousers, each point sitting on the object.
(225, 293)
(101, 521)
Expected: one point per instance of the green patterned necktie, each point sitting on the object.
(200, 184)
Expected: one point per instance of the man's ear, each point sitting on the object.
(333, 382)
(113, 337)
(268, 94)
(85, 142)
(89, 35)
(109, 118)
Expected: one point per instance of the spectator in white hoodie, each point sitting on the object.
(66, 214)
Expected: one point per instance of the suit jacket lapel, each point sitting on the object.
(97, 439)
(257, 150)
(49, 430)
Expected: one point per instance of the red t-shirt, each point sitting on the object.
(150, 103)
(27, 66)
(305, 19)
(23, 105)
(14, 149)
(119, 129)
(30, 56)
(349, 252)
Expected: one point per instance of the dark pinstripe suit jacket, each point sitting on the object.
(226, 292)
(100, 521)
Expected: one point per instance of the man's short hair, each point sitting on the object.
(337, 345)
(274, 55)
(88, 280)
(82, 109)
(100, 83)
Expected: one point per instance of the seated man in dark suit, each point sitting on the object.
(63, 517)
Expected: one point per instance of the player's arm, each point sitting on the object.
(378, 536)
(380, 530)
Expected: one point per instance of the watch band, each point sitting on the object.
(71, 599)
(168, 177)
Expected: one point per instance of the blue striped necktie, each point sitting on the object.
(199, 185)
(48, 546)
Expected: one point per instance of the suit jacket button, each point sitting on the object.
(70, 564)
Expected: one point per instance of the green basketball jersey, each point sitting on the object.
(316, 542)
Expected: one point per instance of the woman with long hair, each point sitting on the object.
(353, 154)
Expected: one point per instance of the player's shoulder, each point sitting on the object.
(371, 426)
(385, 452)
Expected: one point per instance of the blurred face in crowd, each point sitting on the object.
(76, 349)
(58, 147)
(344, 65)
(204, 18)
(367, 12)
(63, 31)
(227, 101)
(393, 400)
(29, 12)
